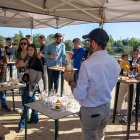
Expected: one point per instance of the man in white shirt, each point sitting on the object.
(97, 77)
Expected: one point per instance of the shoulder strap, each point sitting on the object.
(77, 52)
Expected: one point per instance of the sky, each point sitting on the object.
(118, 31)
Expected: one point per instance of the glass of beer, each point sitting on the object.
(71, 53)
(125, 72)
(130, 74)
(69, 68)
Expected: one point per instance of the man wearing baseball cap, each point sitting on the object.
(97, 78)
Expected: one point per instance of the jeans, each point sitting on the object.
(34, 115)
(76, 75)
(2, 95)
(13, 69)
(55, 78)
(44, 77)
(23, 95)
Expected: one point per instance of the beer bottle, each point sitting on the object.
(66, 64)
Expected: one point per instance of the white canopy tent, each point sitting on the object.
(58, 13)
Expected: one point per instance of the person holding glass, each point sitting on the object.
(123, 86)
(54, 52)
(98, 76)
(76, 56)
(21, 61)
(10, 53)
(35, 71)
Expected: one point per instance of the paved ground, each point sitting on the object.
(69, 127)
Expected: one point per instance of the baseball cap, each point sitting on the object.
(98, 35)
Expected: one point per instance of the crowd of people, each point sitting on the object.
(91, 84)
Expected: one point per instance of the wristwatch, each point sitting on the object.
(70, 82)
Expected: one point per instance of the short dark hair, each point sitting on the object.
(123, 55)
(103, 46)
(42, 37)
(28, 36)
(57, 35)
(77, 40)
(8, 39)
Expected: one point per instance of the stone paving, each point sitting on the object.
(69, 127)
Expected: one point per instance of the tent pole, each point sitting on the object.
(101, 25)
(32, 34)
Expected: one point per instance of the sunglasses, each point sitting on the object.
(23, 43)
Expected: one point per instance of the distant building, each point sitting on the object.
(63, 37)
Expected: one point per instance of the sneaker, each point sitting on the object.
(5, 108)
(20, 109)
(124, 119)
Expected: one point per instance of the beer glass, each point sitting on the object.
(69, 68)
(129, 74)
(57, 63)
(125, 72)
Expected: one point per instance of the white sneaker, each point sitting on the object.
(124, 119)
(30, 110)
(20, 109)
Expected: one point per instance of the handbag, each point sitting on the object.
(25, 77)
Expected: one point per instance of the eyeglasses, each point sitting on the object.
(23, 43)
(75, 44)
(86, 41)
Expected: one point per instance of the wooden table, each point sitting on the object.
(3, 132)
(55, 115)
(10, 63)
(130, 100)
(12, 89)
(62, 69)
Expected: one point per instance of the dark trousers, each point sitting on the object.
(34, 115)
(54, 78)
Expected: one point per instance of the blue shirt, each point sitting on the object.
(59, 49)
(78, 58)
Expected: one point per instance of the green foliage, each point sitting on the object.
(35, 40)
(50, 37)
(49, 41)
(133, 42)
(2, 40)
(119, 44)
(18, 37)
(111, 41)
(128, 50)
(68, 45)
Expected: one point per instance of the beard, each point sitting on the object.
(90, 50)
(58, 42)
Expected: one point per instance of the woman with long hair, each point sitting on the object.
(35, 71)
(21, 61)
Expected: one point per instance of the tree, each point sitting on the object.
(111, 41)
(49, 41)
(133, 42)
(119, 44)
(128, 50)
(2, 40)
(68, 45)
(18, 37)
(35, 40)
(50, 36)
(124, 41)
